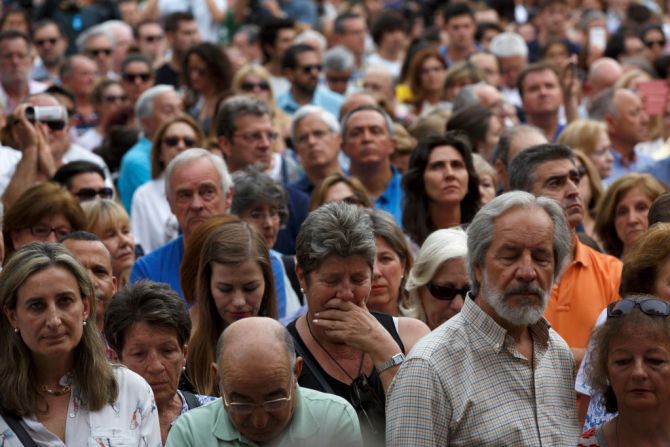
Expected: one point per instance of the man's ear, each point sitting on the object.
(215, 372)
(225, 146)
(298, 367)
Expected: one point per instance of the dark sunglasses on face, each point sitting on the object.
(131, 77)
(652, 307)
(97, 51)
(446, 293)
(251, 86)
(115, 98)
(651, 43)
(152, 38)
(307, 69)
(50, 41)
(85, 194)
(173, 141)
(364, 400)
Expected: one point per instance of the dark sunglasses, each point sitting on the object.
(651, 43)
(85, 194)
(446, 293)
(173, 141)
(251, 86)
(152, 38)
(97, 51)
(652, 307)
(307, 69)
(365, 401)
(41, 42)
(130, 77)
(115, 98)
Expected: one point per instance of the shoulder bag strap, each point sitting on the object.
(325, 387)
(18, 429)
(191, 401)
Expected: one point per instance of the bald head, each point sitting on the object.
(355, 100)
(380, 81)
(603, 74)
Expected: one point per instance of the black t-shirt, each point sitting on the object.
(165, 75)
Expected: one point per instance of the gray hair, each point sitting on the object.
(303, 112)
(283, 336)
(602, 104)
(522, 167)
(466, 97)
(387, 119)
(311, 35)
(339, 58)
(439, 246)
(253, 187)
(253, 33)
(190, 155)
(501, 151)
(117, 25)
(337, 229)
(482, 228)
(154, 303)
(508, 44)
(235, 107)
(94, 31)
(144, 107)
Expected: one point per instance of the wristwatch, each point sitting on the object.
(390, 363)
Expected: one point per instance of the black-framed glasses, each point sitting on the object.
(173, 141)
(652, 307)
(249, 86)
(271, 406)
(307, 69)
(43, 231)
(446, 293)
(365, 401)
(50, 41)
(131, 77)
(95, 52)
(85, 194)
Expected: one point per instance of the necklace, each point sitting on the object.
(360, 365)
(61, 392)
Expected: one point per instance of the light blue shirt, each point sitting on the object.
(135, 170)
(393, 197)
(640, 163)
(322, 96)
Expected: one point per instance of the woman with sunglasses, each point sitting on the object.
(109, 221)
(438, 282)
(630, 369)
(207, 75)
(152, 220)
(44, 213)
(254, 80)
(347, 349)
(646, 270)
(107, 98)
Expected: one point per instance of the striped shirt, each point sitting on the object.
(465, 384)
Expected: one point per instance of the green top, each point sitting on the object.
(319, 419)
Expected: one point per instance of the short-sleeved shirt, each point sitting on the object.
(466, 384)
(135, 170)
(393, 196)
(322, 96)
(640, 163)
(161, 265)
(587, 286)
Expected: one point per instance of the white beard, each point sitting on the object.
(526, 313)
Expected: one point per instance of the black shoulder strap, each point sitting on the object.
(289, 267)
(307, 362)
(18, 429)
(191, 401)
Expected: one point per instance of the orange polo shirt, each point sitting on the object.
(587, 286)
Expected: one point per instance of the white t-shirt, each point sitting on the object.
(209, 29)
(151, 219)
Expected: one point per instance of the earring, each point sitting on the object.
(85, 322)
(16, 330)
(302, 290)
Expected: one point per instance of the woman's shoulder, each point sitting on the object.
(129, 382)
(411, 331)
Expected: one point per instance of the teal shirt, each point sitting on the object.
(319, 419)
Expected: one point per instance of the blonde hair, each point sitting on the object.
(583, 134)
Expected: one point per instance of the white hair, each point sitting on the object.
(118, 25)
(439, 247)
(189, 156)
(94, 31)
(303, 112)
(508, 44)
(144, 107)
(308, 36)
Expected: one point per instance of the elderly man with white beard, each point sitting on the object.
(496, 374)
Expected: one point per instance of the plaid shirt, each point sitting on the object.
(465, 384)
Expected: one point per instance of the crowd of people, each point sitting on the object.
(334, 222)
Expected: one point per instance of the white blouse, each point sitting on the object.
(130, 421)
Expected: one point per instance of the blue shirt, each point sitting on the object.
(660, 170)
(162, 265)
(322, 96)
(135, 170)
(393, 197)
(640, 163)
(280, 284)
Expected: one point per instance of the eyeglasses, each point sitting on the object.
(95, 52)
(652, 307)
(271, 406)
(43, 231)
(173, 141)
(131, 77)
(115, 98)
(50, 41)
(307, 69)
(651, 43)
(248, 86)
(365, 400)
(446, 293)
(86, 194)
(259, 137)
